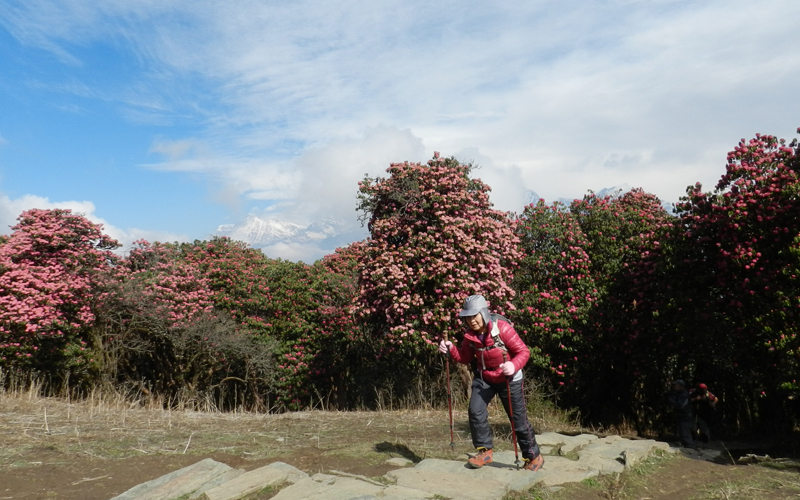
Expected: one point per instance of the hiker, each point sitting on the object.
(497, 356)
(705, 405)
(678, 399)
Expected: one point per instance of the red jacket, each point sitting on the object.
(489, 360)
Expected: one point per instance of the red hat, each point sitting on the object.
(702, 386)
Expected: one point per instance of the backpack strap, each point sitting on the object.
(496, 331)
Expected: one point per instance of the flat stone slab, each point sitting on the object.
(247, 483)
(505, 473)
(222, 478)
(293, 474)
(567, 443)
(579, 457)
(449, 485)
(327, 487)
(253, 481)
(401, 492)
(178, 483)
(707, 454)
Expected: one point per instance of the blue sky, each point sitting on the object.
(163, 119)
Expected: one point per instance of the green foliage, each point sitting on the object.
(614, 296)
(555, 288)
(435, 240)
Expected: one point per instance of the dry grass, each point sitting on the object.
(111, 425)
(763, 484)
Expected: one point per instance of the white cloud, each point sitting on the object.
(11, 208)
(294, 102)
(509, 192)
(331, 173)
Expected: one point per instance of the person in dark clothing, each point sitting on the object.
(704, 404)
(678, 399)
(497, 355)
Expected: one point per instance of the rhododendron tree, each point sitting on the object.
(577, 290)
(49, 268)
(272, 298)
(343, 355)
(622, 231)
(555, 290)
(739, 244)
(435, 239)
(152, 299)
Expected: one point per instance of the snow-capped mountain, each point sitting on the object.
(261, 232)
(532, 197)
(255, 230)
(287, 240)
(613, 191)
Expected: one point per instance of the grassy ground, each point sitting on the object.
(101, 446)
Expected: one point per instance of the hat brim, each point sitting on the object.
(469, 312)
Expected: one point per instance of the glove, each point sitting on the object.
(508, 368)
(444, 346)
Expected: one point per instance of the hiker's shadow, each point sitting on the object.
(398, 449)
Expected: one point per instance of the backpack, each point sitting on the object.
(496, 331)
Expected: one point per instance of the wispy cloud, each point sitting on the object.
(292, 102)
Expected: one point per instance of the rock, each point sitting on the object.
(356, 476)
(329, 488)
(568, 443)
(399, 462)
(575, 443)
(247, 483)
(502, 470)
(401, 492)
(324, 478)
(223, 478)
(551, 439)
(178, 483)
(293, 474)
(588, 456)
(630, 458)
(449, 485)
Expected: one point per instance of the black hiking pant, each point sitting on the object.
(482, 393)
(686, 428)
(704, 428)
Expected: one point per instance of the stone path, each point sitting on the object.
(568, 459)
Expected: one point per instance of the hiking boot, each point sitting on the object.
(482, 458)
(534, 464)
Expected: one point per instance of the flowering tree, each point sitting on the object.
(342, 355)
(555, 287)
(271, 298)
(435, 240)
(740, 250)
(167, 284)
(623, 231)
(162, 329)
(49, 269)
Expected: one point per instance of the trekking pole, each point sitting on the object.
(449, 396)
(511, 416)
